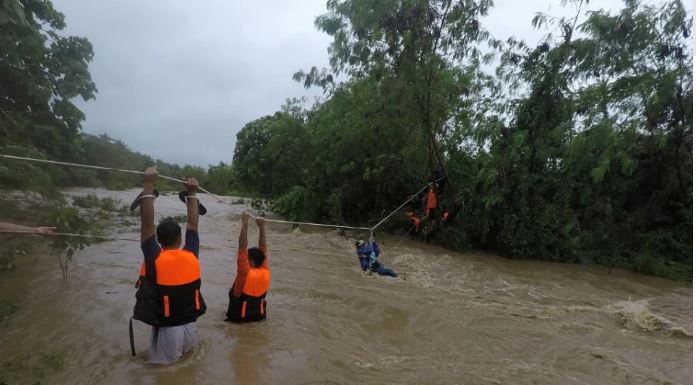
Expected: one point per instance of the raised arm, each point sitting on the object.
(243, 242)
(191, 185)
(261, 223)
(147, 205)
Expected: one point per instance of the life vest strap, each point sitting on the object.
(130, 335)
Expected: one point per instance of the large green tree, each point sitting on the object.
(427, 52)
(42, 71)
(269, 156)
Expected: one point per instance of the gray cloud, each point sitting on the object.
(177, 80)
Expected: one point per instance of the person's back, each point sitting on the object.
(168, 296)
(247, 297)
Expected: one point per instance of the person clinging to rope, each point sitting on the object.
(248, 293)
(413, 223)
(444, 216)
(6, 227)
(431, 201)
(169, 297)
(368, 252)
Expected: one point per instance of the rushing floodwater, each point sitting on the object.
(448, 319)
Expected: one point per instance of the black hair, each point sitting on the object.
(256, 257)
(168, 232)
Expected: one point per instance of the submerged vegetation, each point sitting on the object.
(87, 215)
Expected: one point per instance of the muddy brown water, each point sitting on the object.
(448, 319)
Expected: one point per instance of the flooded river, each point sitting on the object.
(448, 318)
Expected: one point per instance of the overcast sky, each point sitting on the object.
(178, 79)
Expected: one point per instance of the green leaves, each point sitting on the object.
(597, 142)
(600, 171)
(577, 148)
(12, 12)
(41, 72)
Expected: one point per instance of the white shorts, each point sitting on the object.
(169, 343)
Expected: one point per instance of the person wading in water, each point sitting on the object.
(248, 293)
(169, 297)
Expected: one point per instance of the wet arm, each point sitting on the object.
(261, 223)
(192, 212)
(147, 212)
(243, 242)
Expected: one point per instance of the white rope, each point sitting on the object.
(108, 238)
(181, 181)
(371, 229)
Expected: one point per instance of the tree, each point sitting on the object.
(591, 161)
(269, 154)
(41, 72)
(428, 49)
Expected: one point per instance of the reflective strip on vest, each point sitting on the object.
(166, 305)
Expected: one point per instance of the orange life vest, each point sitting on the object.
(251, 305)
(432, 199)
(174, 297)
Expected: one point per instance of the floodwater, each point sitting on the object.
(448, 318)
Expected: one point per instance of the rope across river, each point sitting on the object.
(110, 238)
(216, 197)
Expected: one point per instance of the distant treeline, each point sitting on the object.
(100, 151)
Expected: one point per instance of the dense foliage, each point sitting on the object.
(41, 72)
(578, 149)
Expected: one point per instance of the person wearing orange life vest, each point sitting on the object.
(431, 200)
(168, 297)
(248, 293)
(413, 223)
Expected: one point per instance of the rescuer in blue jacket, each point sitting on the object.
(367, 255)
